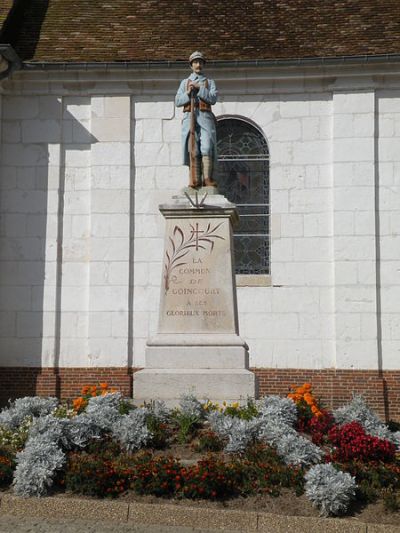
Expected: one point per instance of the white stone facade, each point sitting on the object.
(86, 158)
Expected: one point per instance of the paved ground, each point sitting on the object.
(11, 524)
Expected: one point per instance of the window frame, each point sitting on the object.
(254, 279)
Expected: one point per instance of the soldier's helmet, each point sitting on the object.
(196, 55)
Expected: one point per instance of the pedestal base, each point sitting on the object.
(217, 385)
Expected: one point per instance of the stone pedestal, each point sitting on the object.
(197, 348)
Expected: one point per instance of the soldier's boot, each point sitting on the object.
(207, 171)
(195, 181)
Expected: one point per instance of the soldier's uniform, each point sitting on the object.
(205, 132)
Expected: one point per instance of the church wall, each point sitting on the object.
(82, 175)
(388, 226)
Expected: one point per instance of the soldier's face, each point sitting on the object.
(197, 66)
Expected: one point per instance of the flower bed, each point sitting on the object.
(104, 446)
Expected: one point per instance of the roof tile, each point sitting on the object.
(143, 30)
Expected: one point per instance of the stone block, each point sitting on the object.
(315, 152)
(354, 102)
(46, 131)
(29, 324)
(151, 109)
(117, 106)
(356, 150)
(111, 129)
(11, 131)
(110, 201)
(294, 107)
(154, 153)
(111, 153)
(110, 225)
(109, 249)
(216, 384)
(20, 107)
(109, 298)
(312, 249)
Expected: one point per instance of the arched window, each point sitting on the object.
(243, 177)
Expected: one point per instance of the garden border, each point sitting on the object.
(61, 507)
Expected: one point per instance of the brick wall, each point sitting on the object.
(65, 383)
(336, 387)
(333, 387)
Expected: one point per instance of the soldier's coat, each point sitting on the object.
(205, 133)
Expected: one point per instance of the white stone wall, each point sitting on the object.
(82, 175)
(388, 225)
(65, 230)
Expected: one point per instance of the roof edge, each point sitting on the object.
(252, 63)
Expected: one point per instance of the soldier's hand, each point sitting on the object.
(193, 86)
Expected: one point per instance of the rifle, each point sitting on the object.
(192, 142)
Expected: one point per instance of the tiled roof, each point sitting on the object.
(142, 30)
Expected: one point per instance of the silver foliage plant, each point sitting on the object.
(22, 408)
(36, 466)
(283, 410)
(240, 433)
(104, 410)
(297, 450)
(290, 446)
(49, 436)
(191, 407)
(159, 410)
(330, 490)
(131, 430)
(358, 411)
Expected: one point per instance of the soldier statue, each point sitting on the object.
(196, 95)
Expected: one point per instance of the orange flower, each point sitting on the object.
(308, 398)
(85, 389)
(104, 385)
(79, 403)
(114, 390)
(93, 388)
(307, 386)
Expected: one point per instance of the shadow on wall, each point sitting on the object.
(37, 131)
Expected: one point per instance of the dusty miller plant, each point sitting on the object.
(80, 430)
(280, 409)
(12, 417)
(239, 432)
(330, 490)
(104, 411)
(191, 407)
(158, 410)
(358, 411)
(297, 450)
(131, 430)
(36, 467)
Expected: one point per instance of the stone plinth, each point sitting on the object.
(198, 348)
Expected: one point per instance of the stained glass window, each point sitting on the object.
(243, 177)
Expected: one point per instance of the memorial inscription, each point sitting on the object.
(194, 278)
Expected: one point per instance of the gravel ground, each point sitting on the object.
(12, 524)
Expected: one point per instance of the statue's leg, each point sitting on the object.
(206, 148)
(208, 171)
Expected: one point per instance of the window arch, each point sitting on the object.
(243, 177)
